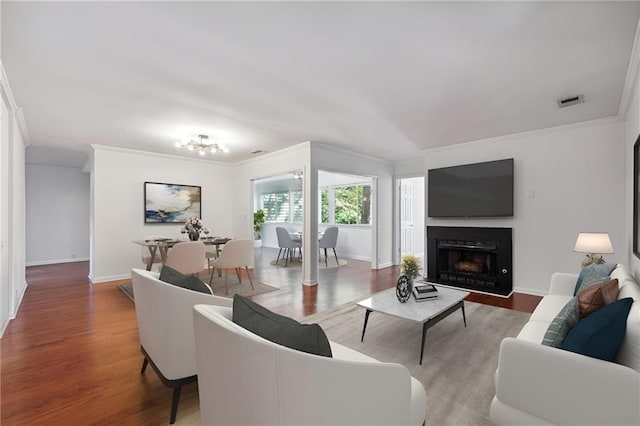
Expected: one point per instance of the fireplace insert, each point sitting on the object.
(470, 257)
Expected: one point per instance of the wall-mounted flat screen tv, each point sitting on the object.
(471, 190)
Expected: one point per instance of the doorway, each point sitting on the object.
(411, 207)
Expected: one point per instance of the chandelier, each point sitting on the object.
(201, 146)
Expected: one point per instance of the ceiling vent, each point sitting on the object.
(256, 152)
(571, 100)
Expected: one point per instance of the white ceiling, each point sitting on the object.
(389, 79)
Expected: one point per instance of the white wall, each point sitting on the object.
(632, 129)
(335, 160)
(117, 205)
(567, 180)
(12, 185)
(57, 214)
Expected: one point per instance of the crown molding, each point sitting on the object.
(17, 112)
(148, 154)
(547, 130)
(632, 75)
(267, 155)
(328, 147)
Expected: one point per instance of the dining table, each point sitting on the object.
(162, 245)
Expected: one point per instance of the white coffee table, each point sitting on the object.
(429, 312)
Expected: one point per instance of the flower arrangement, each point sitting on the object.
(193, 224)
(410, 266)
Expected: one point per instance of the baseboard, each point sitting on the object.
(19, 299)
(53, 262)
(531, 291)
(98, 280)
(385, 265)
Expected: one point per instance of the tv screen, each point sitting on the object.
(471, 190)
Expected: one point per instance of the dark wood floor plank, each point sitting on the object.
(72, 354)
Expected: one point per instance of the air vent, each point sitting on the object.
(256, 152)
(571, 100)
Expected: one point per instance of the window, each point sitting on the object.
(346, 205)
(283, 207)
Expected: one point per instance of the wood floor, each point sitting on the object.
(72, 354)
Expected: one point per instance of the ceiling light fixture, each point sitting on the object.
(297, 175)
(201, 146)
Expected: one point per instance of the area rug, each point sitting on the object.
(459, 363)
(331, 264)
(243, 289)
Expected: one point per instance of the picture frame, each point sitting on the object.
(171, 203)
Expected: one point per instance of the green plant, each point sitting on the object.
(410, 265)
(258, 221)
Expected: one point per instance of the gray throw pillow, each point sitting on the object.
(591, 274)
(566, 319)
(190, 282)
(279, 329)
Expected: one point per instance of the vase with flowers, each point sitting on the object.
(192, 227)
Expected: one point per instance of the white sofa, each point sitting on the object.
(244, 379)
(165, 325)
(538, 384)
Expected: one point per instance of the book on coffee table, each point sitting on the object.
(425, 292)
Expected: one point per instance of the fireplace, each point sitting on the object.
(471, 258)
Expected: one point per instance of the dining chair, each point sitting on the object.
(187, 257)
(236, 254)
(329, 240)
(286, 243)
(145, 255)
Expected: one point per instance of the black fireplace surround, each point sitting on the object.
(470, 257)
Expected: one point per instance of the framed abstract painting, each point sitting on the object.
(171, 203)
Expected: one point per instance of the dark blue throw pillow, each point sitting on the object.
(600, 334)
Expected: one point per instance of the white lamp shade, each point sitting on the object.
(593, 242)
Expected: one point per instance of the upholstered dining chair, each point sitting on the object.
(146, 254)
(187, 257)
(329, 240)
(286, 243)
(236, 254)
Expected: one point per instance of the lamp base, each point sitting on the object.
(592, 258)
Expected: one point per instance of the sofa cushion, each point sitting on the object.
(600, 334)
(591, 274)
(568, 317)
(279, 329)
(548, 308)
(190, 282)
(596, 296)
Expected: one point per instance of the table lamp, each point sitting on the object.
(593, 243)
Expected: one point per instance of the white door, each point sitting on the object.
(406, 217)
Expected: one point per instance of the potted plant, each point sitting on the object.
(258, 221)
(410, 266)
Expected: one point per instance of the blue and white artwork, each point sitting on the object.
(170, 203)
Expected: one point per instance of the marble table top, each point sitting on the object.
(386, 302)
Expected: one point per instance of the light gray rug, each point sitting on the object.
(459, 363)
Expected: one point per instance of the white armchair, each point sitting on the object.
(165, 325)
(244, 379)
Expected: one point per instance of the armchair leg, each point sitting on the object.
(174, 404)
(336, 255)
(249, 275)
(145, 362)
(213, 271)
(238, 274)
(278, 258)
(325, 258)
(287, 253)
(226, 288)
